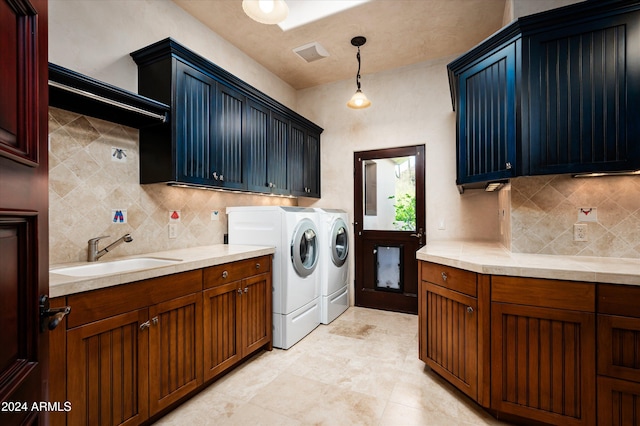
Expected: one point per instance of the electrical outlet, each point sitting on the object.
(580, 232)
(173, 230)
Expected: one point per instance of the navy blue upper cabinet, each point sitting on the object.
(585, 96)
(304, 172)
(223, 133)
(487, 118)
(555, 92)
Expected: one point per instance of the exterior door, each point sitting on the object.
(389, 227)
(23, 209)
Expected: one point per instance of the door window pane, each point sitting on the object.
(390, 194)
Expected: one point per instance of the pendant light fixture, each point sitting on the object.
(268, 12)
(358, 100)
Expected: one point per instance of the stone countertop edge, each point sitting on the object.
(190, 259)
(493, 258)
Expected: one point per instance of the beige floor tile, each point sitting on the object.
(362, 369)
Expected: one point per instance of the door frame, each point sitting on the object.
(407, 300)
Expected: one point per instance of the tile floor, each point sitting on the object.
(362, 369)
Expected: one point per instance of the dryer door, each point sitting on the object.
(304, 248)
(339, 242)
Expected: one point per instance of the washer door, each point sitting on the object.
(339, 242)
(304, 248)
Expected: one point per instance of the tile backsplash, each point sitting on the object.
(94, 173)
(544, 210)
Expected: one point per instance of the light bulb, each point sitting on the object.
(266, 5)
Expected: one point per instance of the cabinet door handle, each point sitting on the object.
(508, 165)
(221, 177)
(469, 309)
(240, 291)
(225, 274)
(444, 276)
(246, 289)
(154, 320)
(144, 325)
(215, 175)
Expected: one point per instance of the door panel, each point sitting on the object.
(104, 358)
(23, 205)
(389, 223)
(175, 350)
(221, 322)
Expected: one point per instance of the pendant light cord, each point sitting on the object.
(358, 74)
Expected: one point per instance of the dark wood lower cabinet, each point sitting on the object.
(525, 348)
(618, 402)
(131, 352)
(175, 350)
(107, 379)
(543, 363)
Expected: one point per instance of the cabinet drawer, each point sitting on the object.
(619, 300)
(230, 272)
(619, 347)
(544, 293)
(451, 278)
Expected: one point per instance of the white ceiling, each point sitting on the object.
(398, 32)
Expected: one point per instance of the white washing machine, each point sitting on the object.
(334, 265)
(293, 231)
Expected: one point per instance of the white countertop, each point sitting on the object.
(492, 258)
(190, 258)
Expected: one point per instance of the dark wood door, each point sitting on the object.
(256, 313)
(543, 363)
(389, 212)
(107, 375)
(23, 208)
(221, 322)
(175, 350)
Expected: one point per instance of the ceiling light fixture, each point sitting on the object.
(268, 12)
(358, 100)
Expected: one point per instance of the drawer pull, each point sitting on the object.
(444, 276)
(225, 274)
(469, 309)
(257, 266)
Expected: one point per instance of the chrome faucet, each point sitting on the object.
(93, 253)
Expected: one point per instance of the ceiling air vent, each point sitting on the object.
(311, 52)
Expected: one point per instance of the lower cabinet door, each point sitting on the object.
(106, 371)
(543, 364)
(221, 321)
(450, 343)
(256, 313)
(175, 350)
(618, 402)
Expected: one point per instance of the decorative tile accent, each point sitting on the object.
(544, 209)
(85, 185)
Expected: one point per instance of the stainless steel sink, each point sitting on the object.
(113, 267)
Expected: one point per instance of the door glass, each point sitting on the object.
(390, 194)
(308, 248)
(342, 243)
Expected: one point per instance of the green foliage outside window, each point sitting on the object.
(405, 206)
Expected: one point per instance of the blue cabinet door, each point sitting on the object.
(585, 97)
(487, 118)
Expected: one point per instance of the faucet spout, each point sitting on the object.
(94, 254)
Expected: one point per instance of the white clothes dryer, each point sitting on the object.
(293, 231)
(334, 265)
